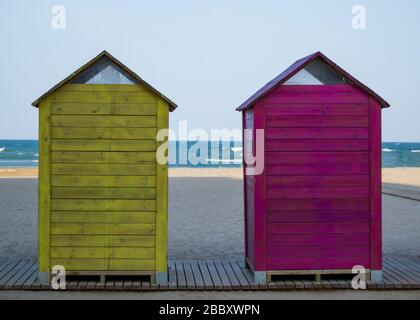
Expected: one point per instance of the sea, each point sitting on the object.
(208, 154)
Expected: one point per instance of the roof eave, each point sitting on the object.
(172, 105)
(300, 64)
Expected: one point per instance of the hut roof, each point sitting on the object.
(172, 105)
(295, 68)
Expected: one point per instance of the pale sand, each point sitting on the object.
(173, 172)
(403, 176)
(206, 214)
(18, 172)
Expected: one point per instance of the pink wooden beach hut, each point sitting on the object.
(316, 206)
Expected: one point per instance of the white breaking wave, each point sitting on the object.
(387, 150)
(415, 150)
(2, 149)
(236, 149)
(34, 160)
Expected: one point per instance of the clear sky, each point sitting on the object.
(209, 56)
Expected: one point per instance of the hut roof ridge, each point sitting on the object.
(104, 53)
(295, 68)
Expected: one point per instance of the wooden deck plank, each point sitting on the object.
(345, 284)
(389, 281)
(326, 284)
(272, 285)
(23, 272)
(173, 282)
(154, 286)
(250, 278)
(289, 284)
(118, 285)
(136, 285)
(9, 264)
(180, 274)
(409, 275)
(397, 274)
(308, 284)
(198, 277)
(208, 282)
(145, 285)
(91, 285)
(72, 285)
(218, 284)
(411, 264)
(4, 262)
(299, 284)
(334, 284)
(100, 285)
(33, 269)
(280, 284)
(234, 282)
(109, 285)
(127, 284)
(30, 283)
(9, 273)
(244, 283)
(82, 285)
(189, 276)
(400, 272)
(223, 275)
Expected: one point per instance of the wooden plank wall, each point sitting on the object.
(249, 186)
(44, 188)
(260, 204)
(104, 179)
(317, 177)
(375, 186)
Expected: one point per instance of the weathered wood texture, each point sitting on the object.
(260, 205)
(103, 196)
(400, 272)
(317, 203)
(308, 190)
(44, 185)
(249, 185)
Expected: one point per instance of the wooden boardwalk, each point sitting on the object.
(400, 272)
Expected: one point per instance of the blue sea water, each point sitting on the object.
(24, 153)
(400, 154)
(18, 153)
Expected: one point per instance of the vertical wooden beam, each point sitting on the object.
(44, 194)
(375, 186)
(244, 187)
(162, 122)
(260, 237)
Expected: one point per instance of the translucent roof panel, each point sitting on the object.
(104, 71)
(316, 73)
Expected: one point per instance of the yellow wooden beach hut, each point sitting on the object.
(103, 196)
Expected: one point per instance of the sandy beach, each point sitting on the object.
(18, 173)
(206, 217)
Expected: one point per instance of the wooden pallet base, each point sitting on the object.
(109, 276)
(315, 275)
